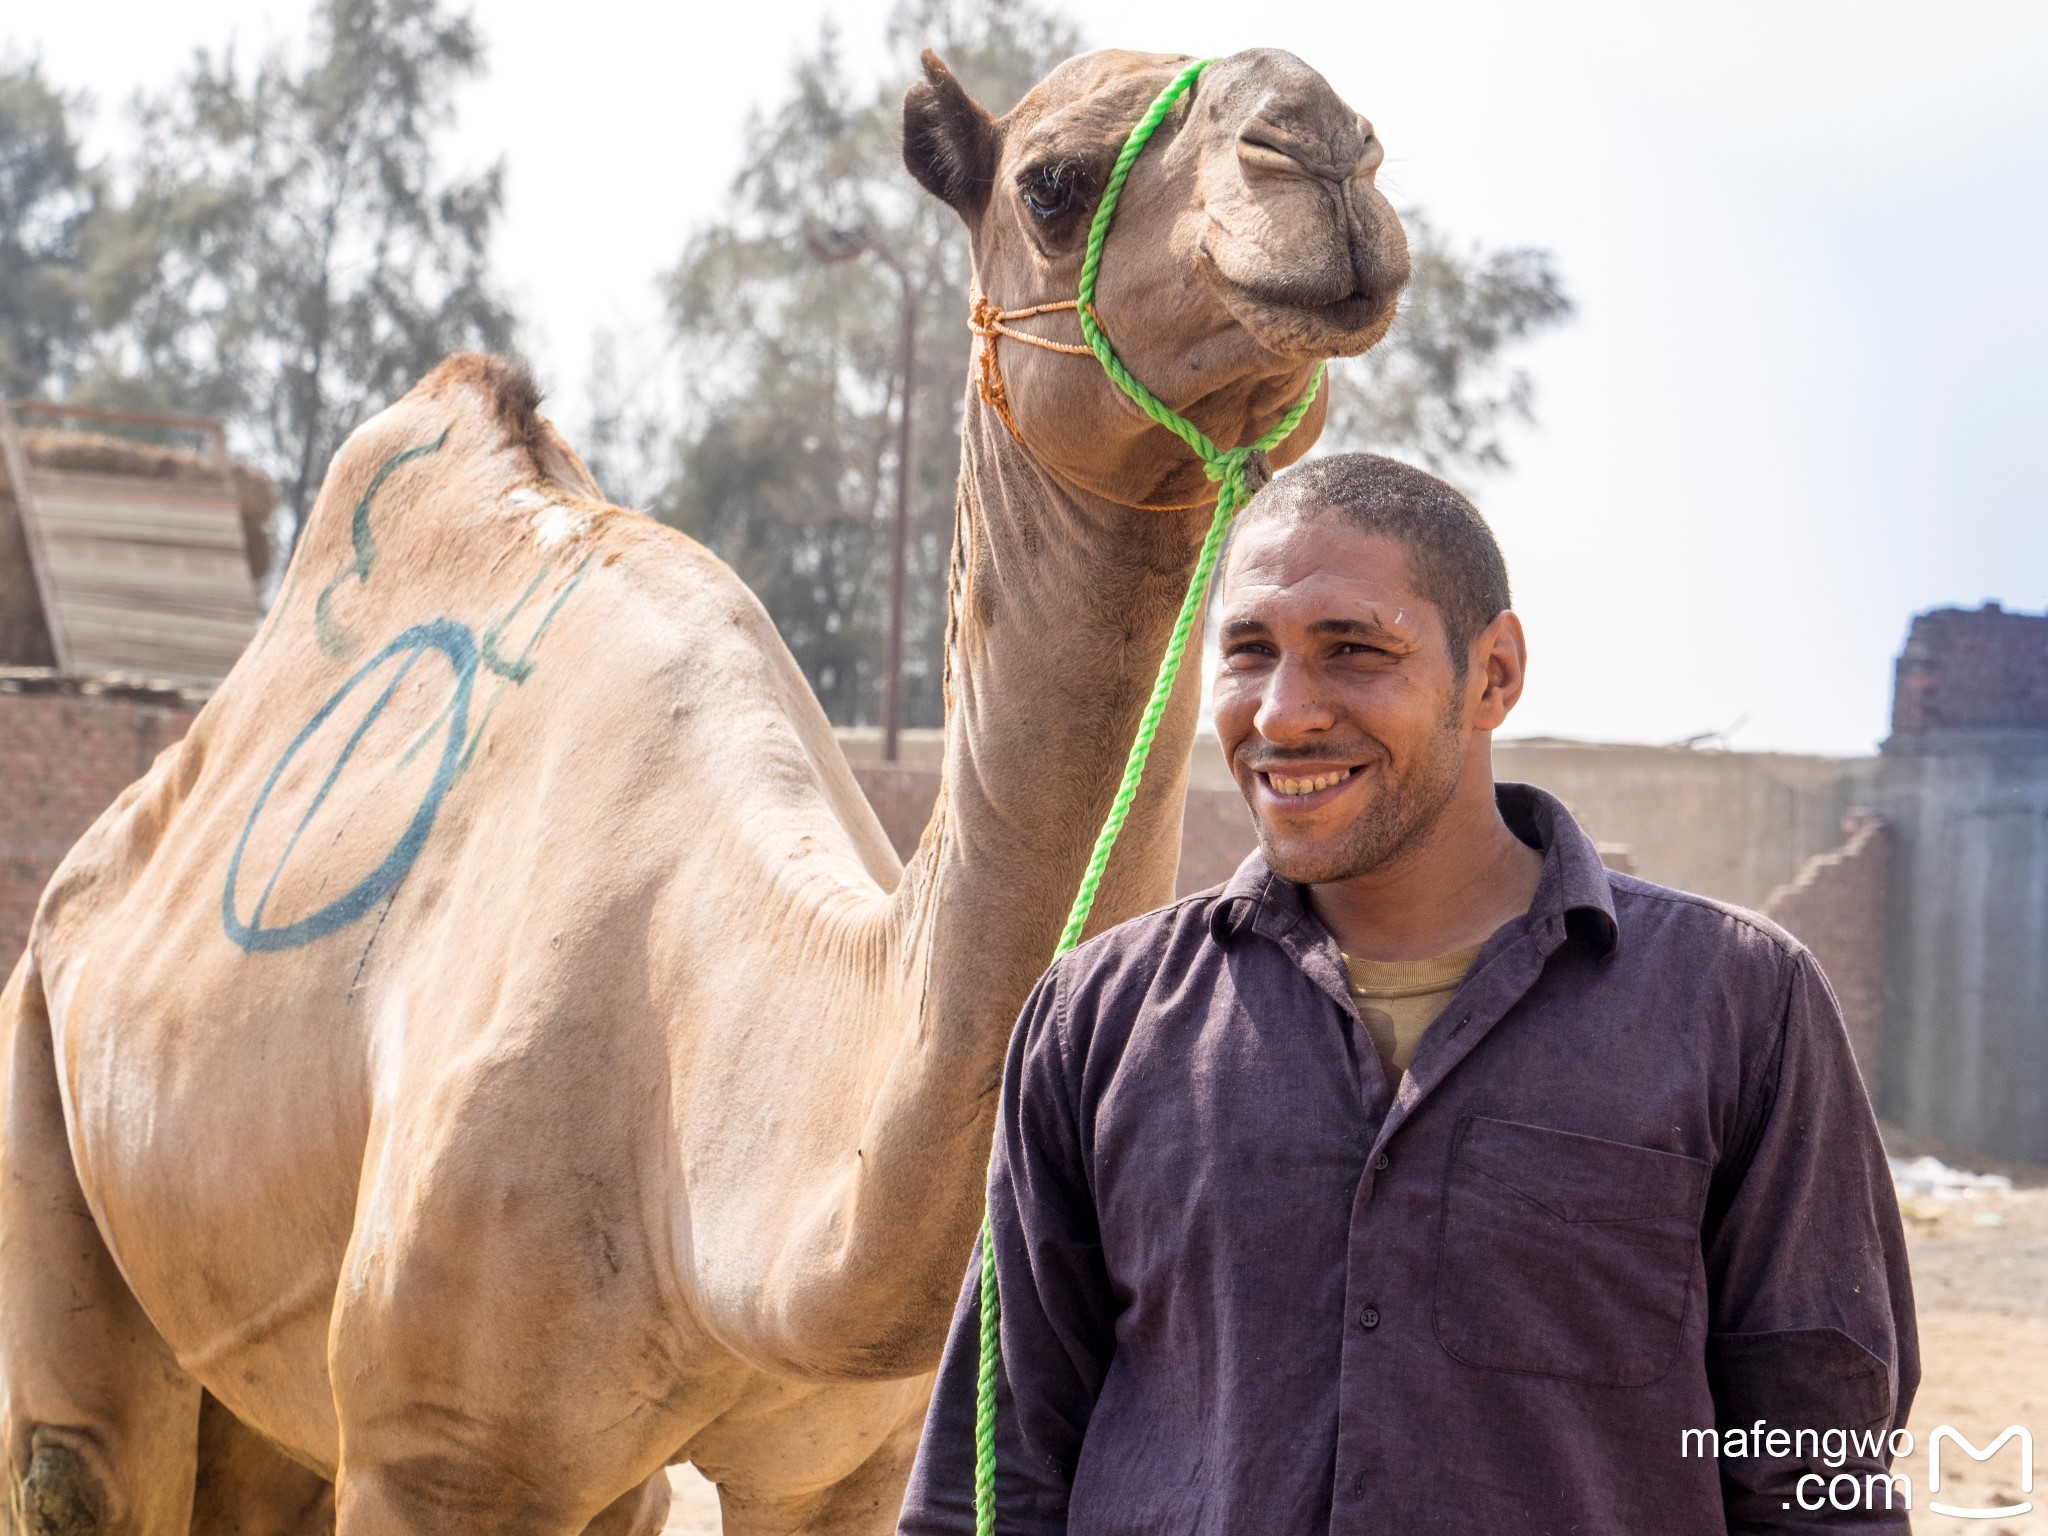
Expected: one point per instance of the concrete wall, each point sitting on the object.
(1732, 825)
(1966, 1030)
(1772, 831)
(1216, 831)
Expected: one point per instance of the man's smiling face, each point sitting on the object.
(1339, 707)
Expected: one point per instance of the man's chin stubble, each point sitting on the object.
(1369, 844)
(1390, 827)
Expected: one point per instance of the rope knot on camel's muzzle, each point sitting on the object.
(1243, 472)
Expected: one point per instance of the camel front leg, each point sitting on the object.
(503, 1352)
(377, 1503)
(247, 1488)
(98, 1424)
(766, 1455)
(643, 1511)
(864, 1503)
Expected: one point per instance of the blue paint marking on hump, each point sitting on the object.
(451, 640)
(330, 635)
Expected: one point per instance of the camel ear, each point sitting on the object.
(949, 139)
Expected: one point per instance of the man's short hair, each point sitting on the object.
(1452, 554)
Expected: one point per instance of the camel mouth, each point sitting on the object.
(1310, 319)
(1335, 328)
(1358, 310)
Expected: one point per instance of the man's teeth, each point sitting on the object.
(1306, 786)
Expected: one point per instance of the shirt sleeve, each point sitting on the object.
(1056, 1308)
(1810, 1302)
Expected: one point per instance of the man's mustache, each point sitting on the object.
(1361, 754)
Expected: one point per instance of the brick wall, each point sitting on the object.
(1837, 908)
(67, 748)
(1972, 669)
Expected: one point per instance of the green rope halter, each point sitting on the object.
(1228, 468)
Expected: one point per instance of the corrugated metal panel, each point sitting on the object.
(137, 575)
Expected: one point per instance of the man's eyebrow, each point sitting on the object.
(1369, 629)
(1363, 629)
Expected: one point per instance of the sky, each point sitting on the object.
(1803, 394)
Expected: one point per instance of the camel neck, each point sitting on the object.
(1060, 606)
(1061, 603)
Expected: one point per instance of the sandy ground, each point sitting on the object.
(1980, 1276)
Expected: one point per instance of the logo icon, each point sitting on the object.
(2014, 1432)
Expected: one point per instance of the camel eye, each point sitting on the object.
(1048, 190)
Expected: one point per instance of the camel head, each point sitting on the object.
(1250, 242)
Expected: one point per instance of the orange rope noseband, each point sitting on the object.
(990, 323)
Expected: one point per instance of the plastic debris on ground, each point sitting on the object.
(1926, 1184)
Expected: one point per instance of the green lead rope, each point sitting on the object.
(1228, 468)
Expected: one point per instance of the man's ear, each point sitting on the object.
(1502, 653)
(949, 139)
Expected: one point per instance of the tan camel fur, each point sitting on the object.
(496, 1054)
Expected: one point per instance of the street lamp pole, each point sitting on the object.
(899, 530)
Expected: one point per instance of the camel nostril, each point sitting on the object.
(1263, 150)
(1259, 155)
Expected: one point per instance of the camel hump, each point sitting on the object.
(472, 428)
(506, 390)
(427, 501)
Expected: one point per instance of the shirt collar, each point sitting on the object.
(1573, 894)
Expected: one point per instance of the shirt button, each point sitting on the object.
(1358, 1485)
(1380, 1162)
(1369, 1318)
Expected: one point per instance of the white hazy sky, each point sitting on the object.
(1804, 394)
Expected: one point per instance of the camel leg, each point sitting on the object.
(642, 1512)
(98, 1425)
(865, 1502)
(498, 1351)
(443, 1493)
(246, 1488)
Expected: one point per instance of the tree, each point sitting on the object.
(293, 256)
(1439, 389)
(785, 461)
(49, 196)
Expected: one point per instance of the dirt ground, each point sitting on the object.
(1980, 1277)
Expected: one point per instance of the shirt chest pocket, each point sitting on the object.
(1565, 1255)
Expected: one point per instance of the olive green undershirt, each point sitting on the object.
(1399, 999)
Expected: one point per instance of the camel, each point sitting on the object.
(497, 1054)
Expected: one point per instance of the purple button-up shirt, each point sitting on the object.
(1630, 1187)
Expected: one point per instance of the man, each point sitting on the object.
(1427, 1176)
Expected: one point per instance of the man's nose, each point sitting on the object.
(1291, 707)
